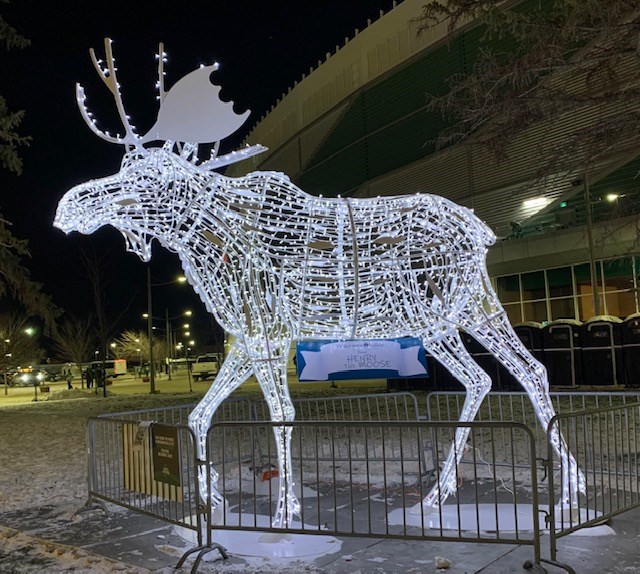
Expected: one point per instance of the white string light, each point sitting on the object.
(275, 265)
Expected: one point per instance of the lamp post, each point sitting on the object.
(152, 375)
(168, 341)
(7, 355)
(181, 279)
(96, 378)
(186, 356)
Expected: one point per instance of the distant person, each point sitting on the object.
(89, 378)
(69, 379)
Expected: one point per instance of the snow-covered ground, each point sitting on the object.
(43, 465)
(43, 482)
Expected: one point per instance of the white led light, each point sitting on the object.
(274, 265)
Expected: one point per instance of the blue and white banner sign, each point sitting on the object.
(364, 359)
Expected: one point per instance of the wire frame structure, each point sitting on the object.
(275, 265)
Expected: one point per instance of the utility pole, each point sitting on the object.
(152, 375)
(168, 344)
(592, 258)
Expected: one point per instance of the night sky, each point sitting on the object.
(263, 47)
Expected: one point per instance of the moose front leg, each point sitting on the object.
(233, 372)
(270, 369)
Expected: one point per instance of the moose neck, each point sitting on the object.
(208, 237)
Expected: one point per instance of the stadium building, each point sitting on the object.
(358, 125)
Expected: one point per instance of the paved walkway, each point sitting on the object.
(147, 544)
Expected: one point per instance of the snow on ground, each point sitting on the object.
(43, 458)
(43, 477)
(43, 464)
(22, 553)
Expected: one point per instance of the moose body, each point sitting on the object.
(327, 267)
(274, 265)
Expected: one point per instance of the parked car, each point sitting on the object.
(206, 366)
(28, 378)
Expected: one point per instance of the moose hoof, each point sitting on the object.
(565, 513)
(219, 512)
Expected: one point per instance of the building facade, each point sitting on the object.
(359, 125)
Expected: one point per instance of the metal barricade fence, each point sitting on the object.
(116, 469)
(606, 445)
(122, 470)
(233, 409)
(358, 478)
(369, 408)
(378, 407)
(517, 407)
(365, 489)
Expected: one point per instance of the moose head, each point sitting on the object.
(156, 183)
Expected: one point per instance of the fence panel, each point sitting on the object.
(380, 407)
(606, 445)
(369, 408)
(234, 409)
(517, 407)
(366, 489)
(122, 469)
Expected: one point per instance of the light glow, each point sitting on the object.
(535, 203)
(274, 265)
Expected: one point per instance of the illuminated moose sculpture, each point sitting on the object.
(275, 265)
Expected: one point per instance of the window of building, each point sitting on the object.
(509, 288)
(535, 311)
(620, 303)
(584, 291)
(562, 308)
(566, 293)
(514, 312)
(533, 286)
(619, 282)
(560, 282)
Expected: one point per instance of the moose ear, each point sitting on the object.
(192, 111)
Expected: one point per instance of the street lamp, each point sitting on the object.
(97, 372)
(179, 347)
(169, 330)
(7, 355)
(180, 279)
(152, 374)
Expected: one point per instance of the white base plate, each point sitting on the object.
(252, 543)
(482, 517)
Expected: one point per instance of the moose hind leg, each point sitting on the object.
(452, 354)
(271, 373)
(233, 372)
(499, 338)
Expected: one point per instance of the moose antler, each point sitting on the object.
(208, 118)
(108, 76)
(161, 61)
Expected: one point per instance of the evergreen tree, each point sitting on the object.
(15, 279)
